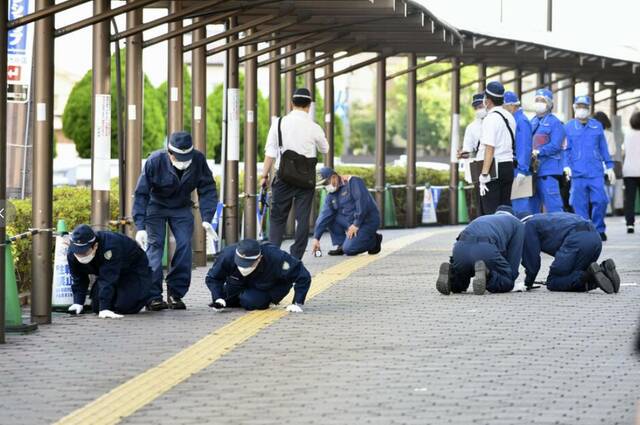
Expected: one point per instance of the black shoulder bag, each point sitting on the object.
(295, 169)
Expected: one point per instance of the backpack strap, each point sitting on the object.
(513, 139)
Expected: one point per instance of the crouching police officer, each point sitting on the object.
(253, 276)
(123, 274)
(350, 214)
(576, 245)
(490, 249)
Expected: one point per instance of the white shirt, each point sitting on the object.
(299, 134)
(611, 143)
(472, 136)
(631, 165)
(495, 133)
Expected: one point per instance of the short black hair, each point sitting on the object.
(301, 102)
(603, 118)
(635, 120)
(496, 100)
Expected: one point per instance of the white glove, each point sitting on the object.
(219, 304)
(611, 175)
(519, 287)
(535, 152)
(567, 172)
(294, 308)
(108, 314)
(141, 239)
(209, 229)
(75, 308)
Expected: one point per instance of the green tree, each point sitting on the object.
(76, 118)
(164, 100)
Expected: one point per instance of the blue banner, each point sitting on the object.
(17, 37)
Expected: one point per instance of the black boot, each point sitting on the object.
(599, 279)
(480, 278)
(609, 269)
(176, 303)
(337, 251)
(157, 304)
(378, 246)
(443, 284)
(603, 236)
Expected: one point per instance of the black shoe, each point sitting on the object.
(443, 284)
(599, 279)
(609, 269)
(337, 251)
(630, 229)
(378, 246)
(603, 236)
(157, 304)
(480, 278)
(176, 303)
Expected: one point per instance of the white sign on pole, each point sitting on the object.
(61, 294)
(131, 112)
(197, 113)
(455, 137)
(102, 143)
(233, 128)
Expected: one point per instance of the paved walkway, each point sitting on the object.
(377, 344)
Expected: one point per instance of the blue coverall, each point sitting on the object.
(585, 154)
(123, 281)
(572, 240)
(163, 194)
(270, 282)
(523, 157)
(497, 240)
(350, 204)
(548, 135)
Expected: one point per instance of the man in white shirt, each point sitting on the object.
(303, 136)
(496, 150)
(472, 133)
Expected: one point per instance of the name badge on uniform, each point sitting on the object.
(107, 255)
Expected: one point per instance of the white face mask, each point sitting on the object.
(181, 165)
(581, 113)
(481, 113)
(331, 188)
(246, 271)
(86, 259)
(540, 107)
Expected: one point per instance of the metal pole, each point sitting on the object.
(289, 79)
(329, 115)
(199, 131)
(43, 13)
(592, 91)
(3, 154)
(613, 102)
(517, 83)
(274, 86)
(233, 143)
(381, 101)
(571, 94)
(175, 77)
(134, 86)
(455, 142)
(549, 15)
(310, 83)
(42, 209)
(101, 122)
(122, 157)
(482, 77)
(250, 141)
(411, 143)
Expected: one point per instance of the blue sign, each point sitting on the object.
(17, 37)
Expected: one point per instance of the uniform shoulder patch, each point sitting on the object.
(286, 265)
(108, 254)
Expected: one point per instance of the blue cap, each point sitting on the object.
(582, 100)
(247, 252)
(302, 93)
(523, 216)
(495, 89)
(325, 173)
(505, 208)
(510, 98)
(477, 99)
(82, 239)
(181, 146)
(546, 94)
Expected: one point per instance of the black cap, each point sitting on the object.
(181, 145)
(247, 252)
(505, 208)
(82, 239)
(302, 93)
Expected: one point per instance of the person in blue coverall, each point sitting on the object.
(586, 157)
(548, 135)
(490, 250)
(254, 276)
(523, 149)
(123, 281)
(163, 195)
(349, 214)
(575, 245)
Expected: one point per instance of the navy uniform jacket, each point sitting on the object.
(586, 149)
(159, 187)
(548, 134)
(546, 233)
(276, 267)
(117, 255)
(352, 200)
(523, 142)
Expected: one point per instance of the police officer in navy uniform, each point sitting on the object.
(349, 214)
(253, 276)
(489, 249)
(163, 195)
(587, 160)
(576, 246)
(122, 269)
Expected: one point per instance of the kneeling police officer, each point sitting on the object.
(253, 276)
(123, 275)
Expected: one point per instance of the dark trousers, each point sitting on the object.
(465, 254)
(258, 299)
(578, 250)
(499, 190)
(631, 185)
(282, 196)
(131, 293)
